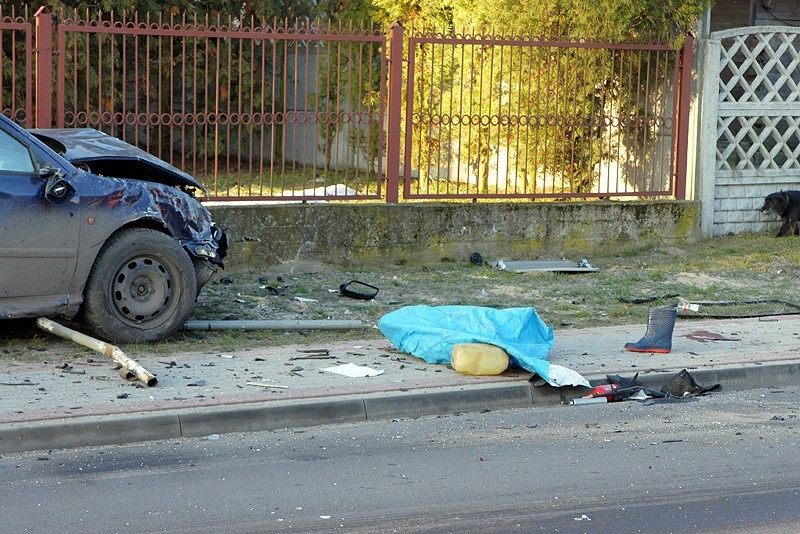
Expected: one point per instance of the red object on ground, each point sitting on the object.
(606, 390)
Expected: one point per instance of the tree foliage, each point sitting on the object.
(604, 20)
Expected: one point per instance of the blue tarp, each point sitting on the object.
(430, 332)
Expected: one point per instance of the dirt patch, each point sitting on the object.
(699, 280)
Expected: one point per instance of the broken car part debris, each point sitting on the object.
(683, 384)
(278, 291)
(619, 388)
(130, 369)
(593, 400)
(314, 357)
(356, 290)
(557, 266)
(476, 259)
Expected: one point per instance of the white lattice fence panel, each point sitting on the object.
(758, 142)
(755, 101)
(759, 67)
(759, 102)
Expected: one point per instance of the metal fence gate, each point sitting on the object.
(750, 124)
(536, 116)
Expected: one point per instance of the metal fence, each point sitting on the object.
(531, 116)
(311, 110)
(16, 66)
(253, 111)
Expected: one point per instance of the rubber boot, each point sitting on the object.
(658, 338)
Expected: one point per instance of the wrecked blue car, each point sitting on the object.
(97, 230)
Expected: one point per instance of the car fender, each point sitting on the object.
(117, 203)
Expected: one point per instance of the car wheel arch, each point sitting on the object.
(151, 224)
(203, 268)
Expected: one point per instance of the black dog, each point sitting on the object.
(787, 205)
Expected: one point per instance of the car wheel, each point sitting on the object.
(141, 287)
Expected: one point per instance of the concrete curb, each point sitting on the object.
(273, 415)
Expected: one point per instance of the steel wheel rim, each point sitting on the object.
(142, 289)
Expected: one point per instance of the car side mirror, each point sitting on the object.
(58, 190)
(47, 170)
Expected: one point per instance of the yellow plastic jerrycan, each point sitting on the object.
(479, 359)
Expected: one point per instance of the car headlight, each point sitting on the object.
(203, 251)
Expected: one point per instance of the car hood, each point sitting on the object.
(107, 155)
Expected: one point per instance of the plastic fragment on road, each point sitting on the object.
(564, 376)
(353, 371)
(683, 384)
(356, 289)
(429, 333)
(266, 385)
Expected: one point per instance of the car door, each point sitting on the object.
(38, 240)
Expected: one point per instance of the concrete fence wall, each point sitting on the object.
(375, 234)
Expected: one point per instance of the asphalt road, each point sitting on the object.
(727, 462)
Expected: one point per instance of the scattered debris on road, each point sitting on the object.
(265, 385)
(353, 371)
(680, 386)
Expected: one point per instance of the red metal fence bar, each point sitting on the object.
(395, 103)
(684, 83)
(44, 68)
(16, 66)
(532, 117)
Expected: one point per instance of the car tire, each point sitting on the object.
(141, 287)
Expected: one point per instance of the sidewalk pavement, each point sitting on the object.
(51, 406)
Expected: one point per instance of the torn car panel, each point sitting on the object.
(103, 154)
(116, 202)
(190, 223)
